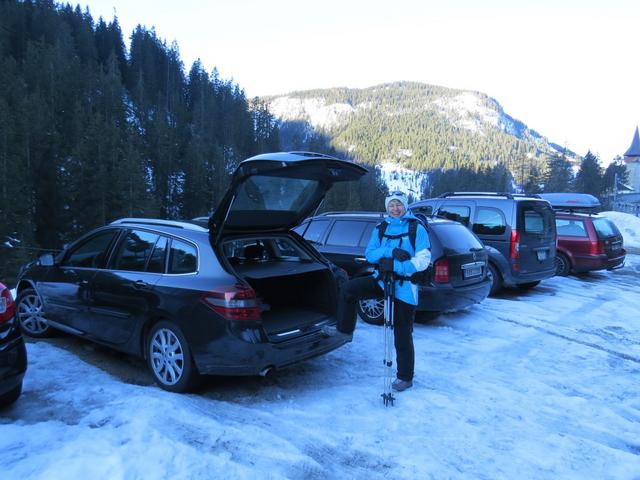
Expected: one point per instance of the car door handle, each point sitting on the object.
(83, 283)
(360, 260)
(141, 285)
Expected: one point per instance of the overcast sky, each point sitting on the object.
(568, 69)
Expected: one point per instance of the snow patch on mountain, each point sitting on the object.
(397, 177)
(467, 110)
(312, 110)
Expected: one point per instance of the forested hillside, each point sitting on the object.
(422, 127)
(90, 132)
(425, 126)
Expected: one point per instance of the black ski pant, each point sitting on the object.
(403, 315)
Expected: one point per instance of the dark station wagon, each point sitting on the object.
(242, 297)
(457, 279)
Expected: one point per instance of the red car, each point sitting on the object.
(586, 241)
(13, 355)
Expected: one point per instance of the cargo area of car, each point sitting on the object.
(295, 292)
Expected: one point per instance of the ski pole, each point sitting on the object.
(389, 294)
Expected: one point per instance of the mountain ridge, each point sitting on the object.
(420, 126)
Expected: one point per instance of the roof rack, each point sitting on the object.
(488, 194)
(353, 212)
(158, 222)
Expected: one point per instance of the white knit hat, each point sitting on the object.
(401, 197)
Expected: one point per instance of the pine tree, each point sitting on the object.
(559, 175)
(589, 177)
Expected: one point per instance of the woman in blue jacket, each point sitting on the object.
(395, 253)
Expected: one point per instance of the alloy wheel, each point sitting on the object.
(167, 356)
(31, 316)
(372, 310)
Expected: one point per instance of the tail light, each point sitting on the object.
(514, 252)
(233, 302)
(596, 247)
(7, 306)
(441, 271)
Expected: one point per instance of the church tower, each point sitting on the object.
(632, 159)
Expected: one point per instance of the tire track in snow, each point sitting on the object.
(622, 355)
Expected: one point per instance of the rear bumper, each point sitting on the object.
(245, 358)
(512, 279)
(446, 298)
(13, 363)
(589, 263)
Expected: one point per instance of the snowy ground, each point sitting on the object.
(541, 384)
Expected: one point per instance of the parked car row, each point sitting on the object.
(526, 239)
(248, 289)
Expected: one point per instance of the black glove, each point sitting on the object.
(385, 265)
(401, 255)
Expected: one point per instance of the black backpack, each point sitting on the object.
(421, 277)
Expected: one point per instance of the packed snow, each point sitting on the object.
(629, 226)
(539, 384)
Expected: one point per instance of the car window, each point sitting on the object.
(92, 253)
(366, 235)
(157, 259)
(183, 257)
(134, 251)
(537, 220)
(262, 192)
(489, 221)
(605, 228)
(315, 232)
(455, 237)
(571, 228)
(346, 233)
(456, 213)
(423, 209)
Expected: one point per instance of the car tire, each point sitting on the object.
(169, 358)
(30, 313)
(496, 279)
(528, 285)
(371, 311)
(563, 266)
(11, 396)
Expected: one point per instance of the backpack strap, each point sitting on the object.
(413, 229)
(412, 232)
(382, 227)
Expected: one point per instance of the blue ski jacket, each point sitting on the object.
(420, 257)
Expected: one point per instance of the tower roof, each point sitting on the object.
(634, 149)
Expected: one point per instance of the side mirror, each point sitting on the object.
(47, 260)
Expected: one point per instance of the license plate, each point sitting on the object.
(472, 272)
(542, 254)
(616, 246)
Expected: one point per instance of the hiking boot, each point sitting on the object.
(332, 331)
(400, 385)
